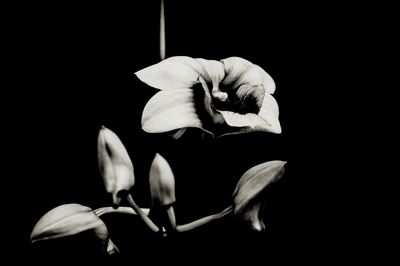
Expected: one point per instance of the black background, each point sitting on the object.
(74, 73)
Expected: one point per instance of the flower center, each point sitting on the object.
(246, 99)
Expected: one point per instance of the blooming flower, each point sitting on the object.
(232, 94)
(72, 219)
(115, 166)
(248, 202)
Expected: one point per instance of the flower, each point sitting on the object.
(115, 166)
(72, 219)
(248, 199)
(220, 97)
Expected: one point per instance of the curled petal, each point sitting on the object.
(115, 166)
(234, 67)
(254, 181)
(214, 114)
(169, 110)
(266, 120)
(162, 182)
(240, 71)
(172, 73)
(67, 220)
(253, 216)
(245, 122)
(269, 111)
(214, 73)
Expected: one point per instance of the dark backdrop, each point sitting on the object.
(75, 68)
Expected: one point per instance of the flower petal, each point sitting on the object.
(254, 181)
(214, 71)
(234, 67)
(115, 166)
(169, 110)
(245, 123)
(172, 73)
(266, 120)
(240, 71)
(66, 220)
(214, 114)
(269, 111)
(253, 215)
(162, 182)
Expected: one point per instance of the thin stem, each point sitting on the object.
(162, 31)
(141, 214)
(171, 217)
(204, 220)
(127, 210)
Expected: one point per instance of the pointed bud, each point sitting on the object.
(162, 182)
(71, 219)
(248, 205)
(115, 166)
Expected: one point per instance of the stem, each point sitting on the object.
(171, 217)
(141, 214)
(204, 220)
(127, 210)
(162, 31)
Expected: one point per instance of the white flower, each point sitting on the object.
(221, 97)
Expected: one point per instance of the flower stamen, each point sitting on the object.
(219, 95)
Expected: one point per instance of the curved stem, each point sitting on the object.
(171, 218)
(204, 220)
(141, 214)
(127, 210)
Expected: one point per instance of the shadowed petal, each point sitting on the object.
(234, 67)
(169, 110)
(240, 71)
(214, 73)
